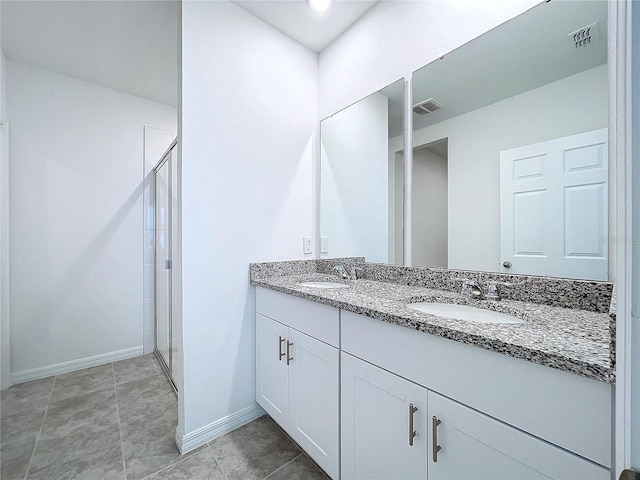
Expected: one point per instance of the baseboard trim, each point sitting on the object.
(193, 440)
(73, 365)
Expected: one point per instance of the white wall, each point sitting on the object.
(249, 110)
(76, 164)
(397, 37)
(354, 171)
(396, 200)
(429, 209)
(476, 140)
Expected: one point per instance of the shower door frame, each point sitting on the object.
(165, 159)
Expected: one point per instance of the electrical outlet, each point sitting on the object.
(306, 245)
(324, 245)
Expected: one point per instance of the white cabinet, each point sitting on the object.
(272, 373)
(475, 446)
(379, 412)
(297, 383)
(313, 399)
(380, 409)
(561, 408)
(370, 400)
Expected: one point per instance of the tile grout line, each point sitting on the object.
(302, 452)
(115, 388)
(215, 457)
(282, 466)
(167, 467)
(35, 445)
(320, 469)
(183, 457)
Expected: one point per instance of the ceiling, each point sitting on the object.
(527, 52)
(132, 45)
(295, 19)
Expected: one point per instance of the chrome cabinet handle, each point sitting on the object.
(289, 344)
(412, 432)
(434, 432)
(280, 352)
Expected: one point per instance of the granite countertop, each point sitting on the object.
(573, 340)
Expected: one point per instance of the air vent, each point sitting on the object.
(428, 106)
(585, 36)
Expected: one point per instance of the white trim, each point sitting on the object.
(407, 208)
(316, 165)
(73, 365)
(620, 148)
(5, 268)
(192, 440)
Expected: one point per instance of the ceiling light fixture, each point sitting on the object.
(319, 6)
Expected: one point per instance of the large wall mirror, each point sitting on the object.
(360, 207)
(510, 148)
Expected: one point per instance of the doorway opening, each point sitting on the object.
(430, 204)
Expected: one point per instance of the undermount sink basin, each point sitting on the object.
(463, 312)
(323, 285)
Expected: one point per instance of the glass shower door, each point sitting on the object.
(163, 260)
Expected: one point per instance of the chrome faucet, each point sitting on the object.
(493, 292)
(474, 290)
(352, 274)
(341, 272)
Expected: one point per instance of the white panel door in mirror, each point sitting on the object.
(528, 223)
(553, 207)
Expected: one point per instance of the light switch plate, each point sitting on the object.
(324, 245)
(306, 245)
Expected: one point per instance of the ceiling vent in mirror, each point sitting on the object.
(585, 36)
(428, 106)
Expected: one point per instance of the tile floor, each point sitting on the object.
(118, 421)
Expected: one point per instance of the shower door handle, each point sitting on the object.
(168, 265)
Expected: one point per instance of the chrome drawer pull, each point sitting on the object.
(412, 433)
(280, 352)
(289, 344)
(434, 432)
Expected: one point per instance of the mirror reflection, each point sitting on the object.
(510, 148)
(360, 211)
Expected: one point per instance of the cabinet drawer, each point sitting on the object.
(315, 319)
(473, 445)
(567, 410)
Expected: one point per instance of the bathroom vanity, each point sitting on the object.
(371, 388)
(390, 391)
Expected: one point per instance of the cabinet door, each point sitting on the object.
(474, 446)
(272, 382)
(313, 399)
(375, 424)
